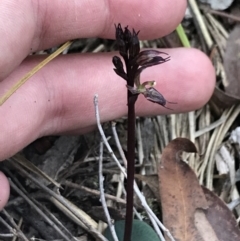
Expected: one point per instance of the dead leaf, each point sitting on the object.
(180, 192)
(221, 100)
(191, 212)
(232, 63)
(221, 218)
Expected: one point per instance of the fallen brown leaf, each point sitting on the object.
(221, 218)
(180, 192)
(222, 100)
(191, 212)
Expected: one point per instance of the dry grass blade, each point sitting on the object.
(34, 71)
(199, 19)
(30, 166)
(74, 212)
(94, 192)
(214, 143)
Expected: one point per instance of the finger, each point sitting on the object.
(97, 18)
(4, 190)
(36, 25)
(59, 98)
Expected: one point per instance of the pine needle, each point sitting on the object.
(33, 71)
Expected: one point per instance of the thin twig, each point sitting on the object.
(140, 149)
(7, 235)
(19, 226)
(197, 15)
(210, 127)
(100, 129)
(119, 147)
(94, 192)
(102, 196)
(222, 14)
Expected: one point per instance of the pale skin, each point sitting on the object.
(59, 98)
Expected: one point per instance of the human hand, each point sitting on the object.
(59, 98)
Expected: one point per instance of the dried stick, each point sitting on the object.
(102, 196)
(6, 235)
(197, 15)
(19, 225)
(94, 192)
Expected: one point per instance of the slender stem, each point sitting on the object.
(130, 166)
(131, 99)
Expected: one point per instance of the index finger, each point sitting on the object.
(37, 25)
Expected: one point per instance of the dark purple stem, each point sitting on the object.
(130, 157)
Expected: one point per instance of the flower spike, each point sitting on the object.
(136, 62)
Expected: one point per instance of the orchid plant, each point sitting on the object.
(135, 62)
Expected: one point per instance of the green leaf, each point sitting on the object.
(140, 231)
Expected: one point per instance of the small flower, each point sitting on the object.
(150, 93)
(150, 56)
(135, 63)
(155, 96)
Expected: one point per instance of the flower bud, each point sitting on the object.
(117, 63)
(134, 46)
(119, 67)
(120, 40)
(127, 36)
